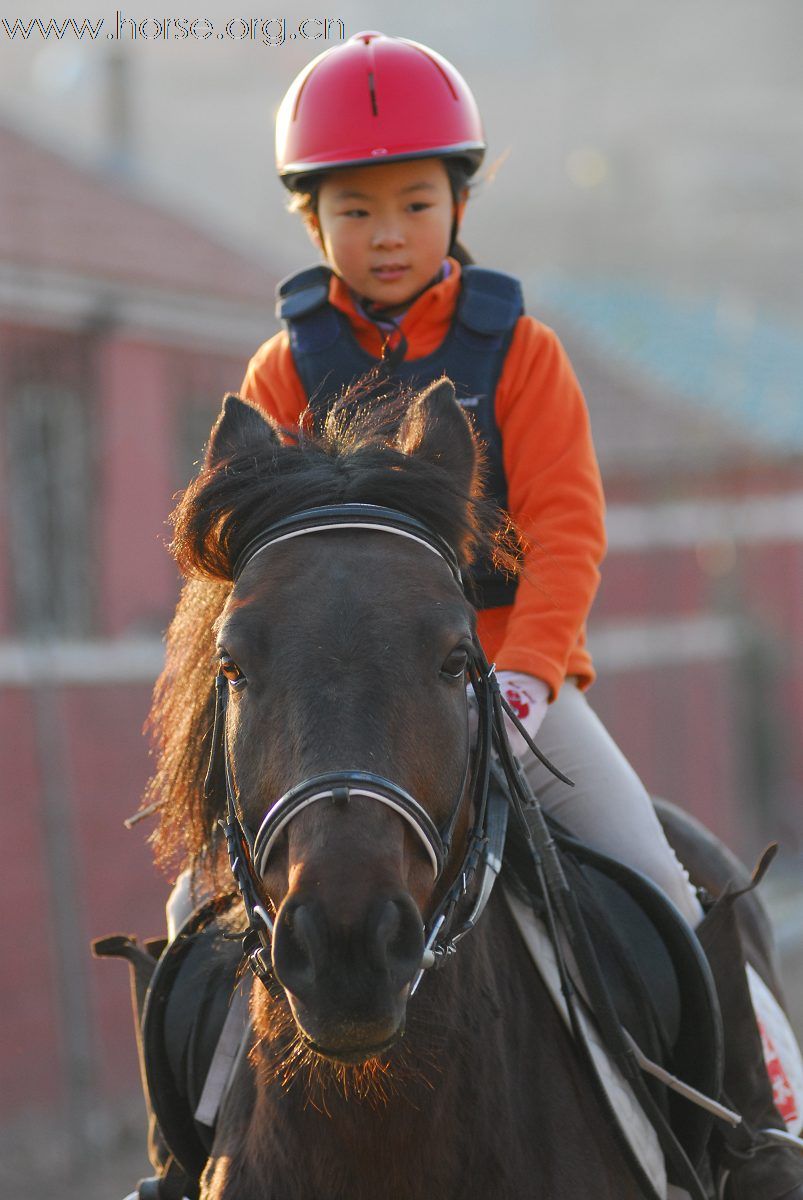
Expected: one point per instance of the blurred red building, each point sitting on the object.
(120, 328)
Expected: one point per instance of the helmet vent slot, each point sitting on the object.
(372, 91)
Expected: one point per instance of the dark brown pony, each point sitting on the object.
(346, 650)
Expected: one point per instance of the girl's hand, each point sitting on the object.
(529, 699)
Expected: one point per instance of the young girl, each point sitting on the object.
(377, 140)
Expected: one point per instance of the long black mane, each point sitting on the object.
(356, 457)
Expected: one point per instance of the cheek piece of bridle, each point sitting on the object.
(250, 852)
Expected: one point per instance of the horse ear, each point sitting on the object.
(436, 428)
(239, 427)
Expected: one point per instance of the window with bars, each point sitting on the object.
(48, 469)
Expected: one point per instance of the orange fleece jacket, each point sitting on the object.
(554, 488)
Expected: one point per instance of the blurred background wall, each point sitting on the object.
(645, 181)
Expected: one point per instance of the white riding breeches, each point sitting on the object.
(608, 807)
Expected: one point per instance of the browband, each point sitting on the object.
(348, 516)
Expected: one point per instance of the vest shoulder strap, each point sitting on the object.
(491, 301)
(302, 292)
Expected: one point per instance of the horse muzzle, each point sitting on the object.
(348, 981)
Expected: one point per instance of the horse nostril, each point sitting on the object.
(396, 939)
(299, 946)
(385, 935)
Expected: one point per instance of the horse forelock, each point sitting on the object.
(352, 459)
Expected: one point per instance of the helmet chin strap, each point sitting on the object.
(375, 311)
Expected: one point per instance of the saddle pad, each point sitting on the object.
(633, 1124)
(781, 1052)
(195, 989)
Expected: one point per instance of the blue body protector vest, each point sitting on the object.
(329, 359)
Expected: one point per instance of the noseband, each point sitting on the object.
(249, 853)
(340, 788)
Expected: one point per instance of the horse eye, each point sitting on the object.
(232, 672)
(455, 665)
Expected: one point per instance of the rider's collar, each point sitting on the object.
(388, 324)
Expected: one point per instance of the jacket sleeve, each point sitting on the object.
(272, 382)
(555, 498)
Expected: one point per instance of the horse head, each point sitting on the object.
(342, 737)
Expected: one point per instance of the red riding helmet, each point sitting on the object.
(375, 99)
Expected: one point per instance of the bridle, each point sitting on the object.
(249, 851)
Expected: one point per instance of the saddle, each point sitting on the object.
(193, 1014)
